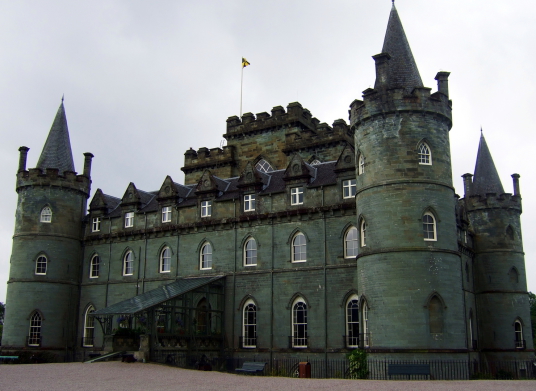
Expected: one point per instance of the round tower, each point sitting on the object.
(409, 268)
(43, 286)
(500, 282)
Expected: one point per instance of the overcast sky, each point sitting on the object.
(146, 80)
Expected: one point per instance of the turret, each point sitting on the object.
(499, 266)
(405, 207)
(47, 250)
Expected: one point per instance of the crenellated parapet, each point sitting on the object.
(220, 160)
(50, 177)
(493, 201)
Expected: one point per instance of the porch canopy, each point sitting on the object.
(154, 297)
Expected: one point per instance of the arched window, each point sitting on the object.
(510, 232)
(299, 248)
(34, 334)
(205, 258)
(350, 243)
(165, 260)
(94, 267)
(361, 166)
(513, 274)
(41, 265)
(435, 312)
(263, 166)
(250, 252)
(299, 323)
(89, 328)
(363, 227)
(364, 321)
(352, 322)
(425, 156)
(203, 317)
(472, 340)
(249, 325)
(429, 227)
(518, 330)
(46, 215)
(315, 162)
(128, 264)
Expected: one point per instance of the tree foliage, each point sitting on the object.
(358, 368)
(2, 310)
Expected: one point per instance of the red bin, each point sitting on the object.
(305, 370)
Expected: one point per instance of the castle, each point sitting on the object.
(296, 239)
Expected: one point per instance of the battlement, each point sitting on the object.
(51, 178)
(493, 201)
(206, 157)
(295, 115)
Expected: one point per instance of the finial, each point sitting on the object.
(62, 97)
(481, 130)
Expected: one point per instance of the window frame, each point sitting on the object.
(352, 340)
(163, 259)
(166, 214)
(350, 188)
(95, 224)
(89, 328)
(249, 202)
(296, 195)
(94, 266)
(41, 270)
(364, 320)
(360, 164)
(354, 241)
(34, 332)
(425, 154)
(206, 208)
(427, 224)
(297, 248)
(518, 334)
(249, 326)
(246, 251)
(128, 263)
(205, 258)
(263, 166)
(129, 219)
(299, 328)
(46, 215)
(363, 233)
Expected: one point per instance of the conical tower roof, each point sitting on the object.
(402, 69)
(486, 178)
(57, 150)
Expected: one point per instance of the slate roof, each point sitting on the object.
(486, 178)
(57, 150)
(156, 296)
(402, 69)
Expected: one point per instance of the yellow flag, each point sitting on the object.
(245, 62)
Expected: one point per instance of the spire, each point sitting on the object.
(486, 179)
(57, 150)
(402, 70)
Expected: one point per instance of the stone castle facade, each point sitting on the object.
(295, 239)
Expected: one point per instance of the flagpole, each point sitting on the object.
(241, 84)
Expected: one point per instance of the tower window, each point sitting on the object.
(518, 330)
(296, 196)
(95, 224)
(352, 323)
(166, 214)
(89, 328)
(361, 164)
(425, 156)
(206, 208)
(46, 215)
(364, 318)
(249, 202)
(34, 334)
(128, 264)
(205, 261)
(94, 268)
(299, 324)
(435, 312)
(349, 188)
(363, 233)
(299, 248)
(513, 275)
(250, 253)
(129, 219)
(350, 243)
(263, 166)
(249, 326)
(165, 260)
(41, 265)
(429, 227)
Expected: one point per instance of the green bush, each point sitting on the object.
(358, 368)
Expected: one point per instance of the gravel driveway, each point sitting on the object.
(137, 376)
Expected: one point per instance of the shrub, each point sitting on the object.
(358, 368)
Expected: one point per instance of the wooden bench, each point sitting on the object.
(251, 367)
(8, 358)
(409, 369)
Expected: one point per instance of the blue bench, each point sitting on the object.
(409, 369)
(8, 358)
(252, 367)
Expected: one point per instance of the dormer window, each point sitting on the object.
(206, 208)
(263, 166)
(349, 188)
(296, 196)
(46, 215)
(166, 214)
(95, 224)
(129, 219)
